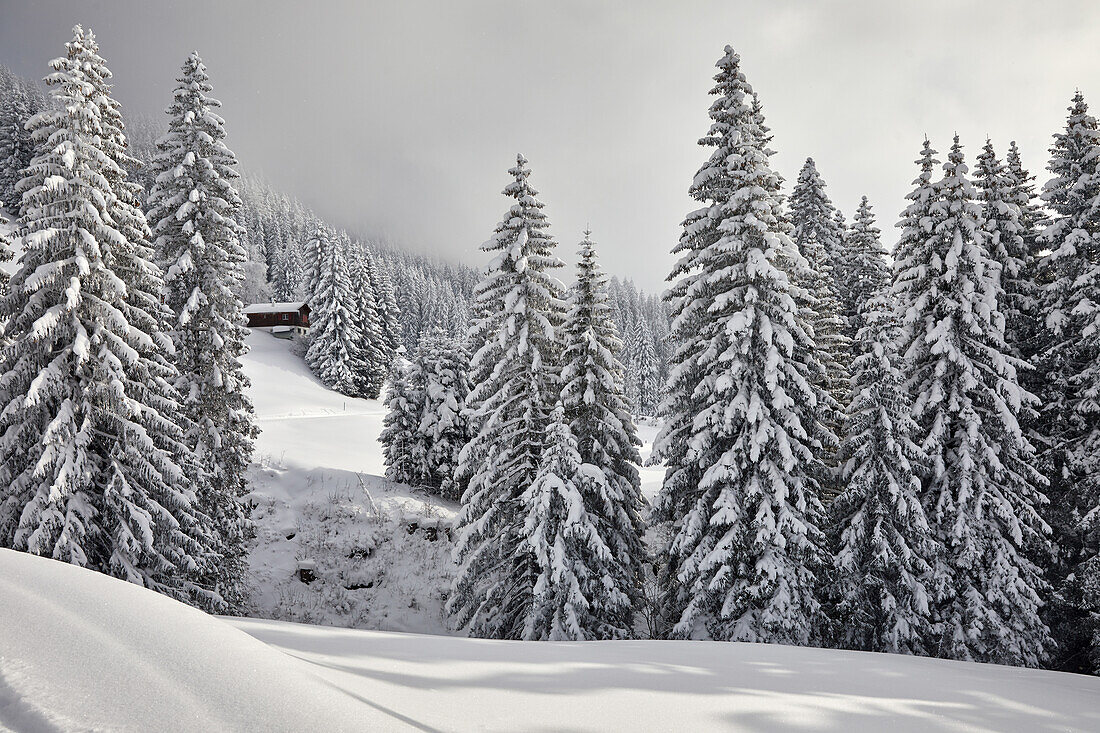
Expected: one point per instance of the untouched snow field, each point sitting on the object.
(468, 684)
(80, 651)
(304, 424)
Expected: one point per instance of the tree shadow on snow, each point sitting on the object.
(765, 687)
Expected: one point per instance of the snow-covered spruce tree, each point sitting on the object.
(7, 252)
(631, 375)
(1069, 424)
(841, 226)
(865, 269)
(913, 248)
(821, 244)
(16, 146)
(599, 419)
(813, 216)
(334, 336)
(371, 360)
(1005, 240)
(402, 445)
(647, 374)
(443, 427)
(389, 315)
(571, 558)
(1025, 332)
(515, 380)
(319, 236)
(288, 273)
(153, 370)
(86, 477)
(839, 263)
(192, 209)
(981, 491)
(884, 549)
(740, 442)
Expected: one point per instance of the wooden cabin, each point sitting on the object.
(281, 319)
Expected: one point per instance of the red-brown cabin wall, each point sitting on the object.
(266, 320)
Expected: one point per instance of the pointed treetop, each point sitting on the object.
(1079, 112)
(587, 251)
(520, 173)
(987, 159)
(82, 39)
(730, 57)
(955, 156)
(810, 175)
(194, 71)
(84, 46)
(557, 416)
(864, 213)
(927, 162)
(730, 80)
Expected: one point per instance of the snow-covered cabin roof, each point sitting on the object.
(274, 307)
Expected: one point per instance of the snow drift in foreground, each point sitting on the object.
(81, 651)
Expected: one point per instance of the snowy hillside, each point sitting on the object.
(379, 551)
(305, 425)
(203, 674)
(336, 543)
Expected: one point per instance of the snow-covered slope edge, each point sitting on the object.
(83, 651)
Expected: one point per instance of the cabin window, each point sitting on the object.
(286, 316)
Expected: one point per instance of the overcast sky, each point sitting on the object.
(401, 118)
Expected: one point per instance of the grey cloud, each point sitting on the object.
(402, 118)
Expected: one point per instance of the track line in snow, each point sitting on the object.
(310, 416)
